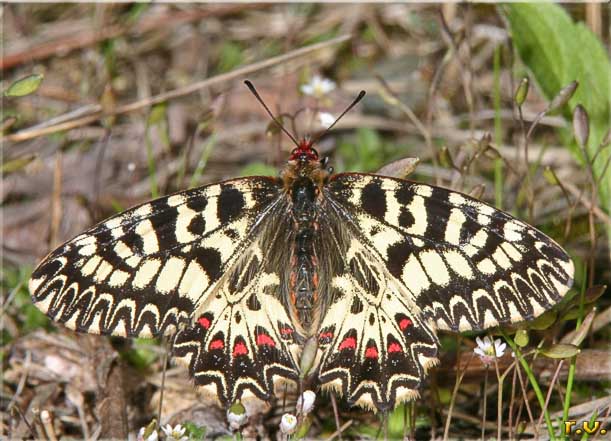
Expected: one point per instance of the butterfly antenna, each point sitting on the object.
(278, 123)
(354, 103)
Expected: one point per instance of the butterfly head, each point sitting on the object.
(304, 152)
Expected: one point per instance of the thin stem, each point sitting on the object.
(498, 129)
(533, 382)
(336, 415)
(571, 375)
(484, 404)
(446, 430)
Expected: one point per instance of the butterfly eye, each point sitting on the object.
(324, 161)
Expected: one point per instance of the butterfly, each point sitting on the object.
(340, 281)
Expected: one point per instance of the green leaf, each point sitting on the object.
(560, 350)
(24, 86)
(558, 51)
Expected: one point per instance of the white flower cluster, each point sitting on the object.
(176, 433)
(488, 351)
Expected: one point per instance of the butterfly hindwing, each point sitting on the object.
(376, 347)
(467, 265)
(143, 271)
(243, 344)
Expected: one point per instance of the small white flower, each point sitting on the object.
(236, 416)
(487, 351)
(174, 433)
(288, 424)
(326, 119)
(318, 87)
(152, 436)
(305, 402)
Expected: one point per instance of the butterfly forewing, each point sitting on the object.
(463, 263)
(148, 268)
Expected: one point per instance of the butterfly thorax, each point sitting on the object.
(303, 178)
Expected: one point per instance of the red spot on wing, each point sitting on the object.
(264, 339)
(371, 352)
(326, 335)
(216, 344)
(394, 347)
(286, 332)
(348, 343)
(405, 323)
(204, 322)
(240, 349)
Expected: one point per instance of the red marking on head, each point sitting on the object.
(394, 347)
(371, 352)
(286, 331)
(240, 349)
(304, 151)
(264, 339)
(204, 322)
(348, 343)
(405, 323)
(216, 344)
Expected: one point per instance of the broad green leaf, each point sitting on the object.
(24, 86)
(558, 51)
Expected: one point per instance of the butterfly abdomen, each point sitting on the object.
(304, 277)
